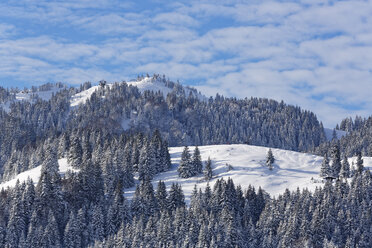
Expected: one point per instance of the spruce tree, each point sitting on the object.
(176, 197)
(196, 161)
(147, 163)
(208, 173)
(161, 196)
(75, 155)
(325, 169)
(345, 168)
(359, 163)
(270, 159)
(336, 161)
(185, 169)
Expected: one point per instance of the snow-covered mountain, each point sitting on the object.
(155, 84)
(291, 169)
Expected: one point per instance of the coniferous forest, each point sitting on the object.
(86, 207)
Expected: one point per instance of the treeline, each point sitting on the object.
(77, 211)
(357, 140)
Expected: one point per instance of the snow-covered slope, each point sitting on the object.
(147, 83)
(28, 95)
(329, 133)
(151, 84)
(44, 95)
(291, 169)
(82, 97)
(34, 174)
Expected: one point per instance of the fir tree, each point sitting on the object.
(345, 168)
(359, 163)
(75, 155)
(270, 159)
(196, 161)
(147, 163)
(208, 173)
(185, 169)
(336, 161)
(161, 196)
(325, 169)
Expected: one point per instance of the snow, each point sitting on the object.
(291, 169)
(26, 96)
(329, 133)
(34, 174)
(44, 95)
(125, 124)
(145, 84)
(151, 84)
(82, 97)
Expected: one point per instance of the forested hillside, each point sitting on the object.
(182, 115)
(75, 212)
(357, 140)
(116, 138)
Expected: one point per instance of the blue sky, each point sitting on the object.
(315, 54)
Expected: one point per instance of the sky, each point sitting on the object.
(316, 54)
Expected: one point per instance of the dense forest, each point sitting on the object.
(87, 208)
(358, 138)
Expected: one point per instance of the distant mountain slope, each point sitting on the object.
(44, 92)
(186, 117)
(357, 138)
(154, 84)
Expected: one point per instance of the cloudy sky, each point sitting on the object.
(313, 53)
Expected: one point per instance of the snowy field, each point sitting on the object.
(291, 169)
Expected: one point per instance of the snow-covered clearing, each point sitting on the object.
(291, 169)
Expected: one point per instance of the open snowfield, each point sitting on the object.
(291, 169)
